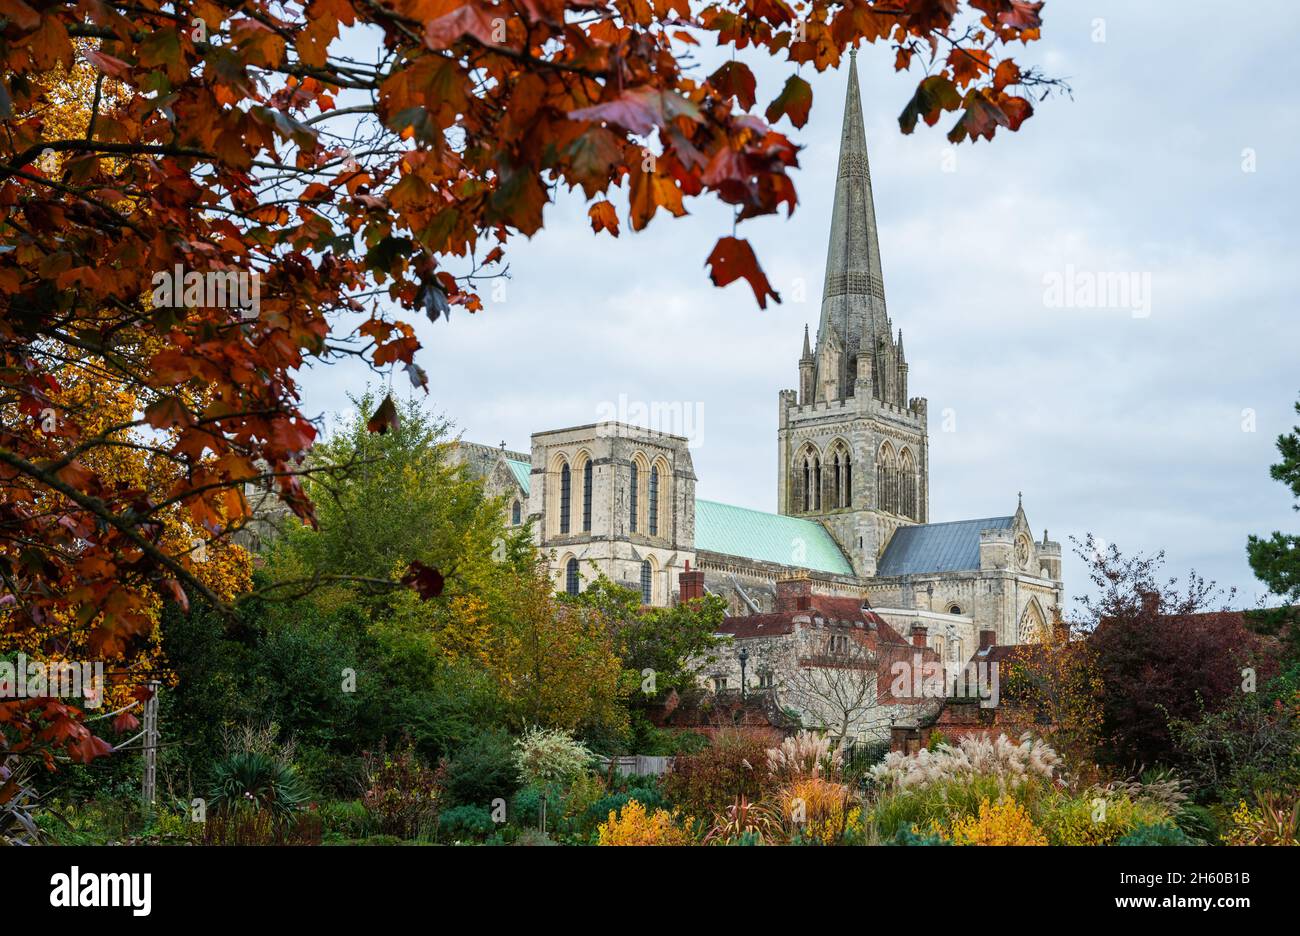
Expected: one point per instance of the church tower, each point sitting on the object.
(853, 448)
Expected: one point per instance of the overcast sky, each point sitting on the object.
(1131, 426)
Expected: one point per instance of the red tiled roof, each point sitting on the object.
(775, 624)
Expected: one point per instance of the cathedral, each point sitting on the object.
(853, 518)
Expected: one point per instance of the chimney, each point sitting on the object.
(794, 594)
(919, 632)
(987, 639)
(1150, 602)
(690, 584)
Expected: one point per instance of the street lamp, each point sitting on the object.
(743, 657)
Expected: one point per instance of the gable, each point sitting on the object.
(523, 472)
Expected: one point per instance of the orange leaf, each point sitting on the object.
(603, 217)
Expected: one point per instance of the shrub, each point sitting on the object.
(527, 805)
(648, 796)
(1096, 818)
(544, 756)
(1009, 763)
(743, 823)
(585, 791)
(1005, 822)
(1160, 833)
(820, 812)
(936, 806)
(18, 825)
(402, 795)
(257, 782)
(345, 819)
(1274, 819)
(466, 822)
(482, 769)
(735, 765)
(245, 827)
(910, 836)
(634, 826)
(804, 755)
(1198, 822)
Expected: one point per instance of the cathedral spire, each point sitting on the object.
(853, 299)
(807, 349)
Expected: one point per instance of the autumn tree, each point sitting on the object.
(242, 145)
(1165, 651)
(1054, 688)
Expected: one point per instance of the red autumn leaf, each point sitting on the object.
(385, 417)
(639, 110)
(108, 64)
(468, 20)
(794, 101)
(166, 413)
(733, 259)
(426, 581)
(734, 79)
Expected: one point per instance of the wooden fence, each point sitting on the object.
(637, 765)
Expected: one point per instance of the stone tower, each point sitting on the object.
(613, 499)
(853, 448)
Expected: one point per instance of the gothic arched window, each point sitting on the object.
(566, 493)
(516, 513)
(632, 500)
(807, 484)
(907, 480)
(817, 483)
(571, 577)
(886, 479)
(842, 480)
(586, 496)
(653, 499)
(647, 582)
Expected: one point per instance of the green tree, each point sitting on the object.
(667, 643)
(1276, 560)
(395, 497)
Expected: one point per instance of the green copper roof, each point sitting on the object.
(789, 541)
(523, 473)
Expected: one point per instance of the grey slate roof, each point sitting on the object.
(937, 547)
